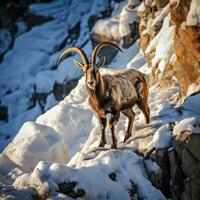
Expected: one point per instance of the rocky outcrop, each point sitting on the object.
(186, 46)
(180, 167)
(185, 165)
(170, 33)
(122, 28)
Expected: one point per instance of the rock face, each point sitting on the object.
(186, 159)
(178, 55)
(186, 45)
(181, 165)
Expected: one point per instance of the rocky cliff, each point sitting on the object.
(169, 32)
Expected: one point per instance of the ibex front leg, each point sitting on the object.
(114, 118)
(131, 116)
(102, 122)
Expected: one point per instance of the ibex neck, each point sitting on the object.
(97, 94)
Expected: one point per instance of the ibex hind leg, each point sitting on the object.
(131, 116)
(145, 109)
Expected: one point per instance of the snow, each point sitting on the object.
(162, 44)
(161, 16)
(35, 142)
(185, 125)
(127, 17)
(118, 25)
(29, 63)
(193, 17)
(141, 7)
(109, 27)
(85, 171)
(162, 137)
(192, 103)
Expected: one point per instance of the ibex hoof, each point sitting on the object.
(126, 138)
(114, 146)
(102, 143)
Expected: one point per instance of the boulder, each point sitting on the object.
(35, 142)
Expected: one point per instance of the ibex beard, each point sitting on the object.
(112, 93)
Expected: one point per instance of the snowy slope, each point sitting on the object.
(27, 67)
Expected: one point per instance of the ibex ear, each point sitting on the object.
(101, 62)
(78, 64)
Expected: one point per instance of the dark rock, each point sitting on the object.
(39, 98)
(133, 191)
(3, 113)
(112, 176)
(65, 188)
(189, 142)
(68, 189)
(108, 52)
(62, 90)
(80, 193)
(35, 20)
(162, 181)
(191, 191)
(9, 192)
(129, 39)
(185, 166)
(177, 175)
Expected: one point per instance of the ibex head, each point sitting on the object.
(90, 69)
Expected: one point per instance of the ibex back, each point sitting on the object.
(112, 93)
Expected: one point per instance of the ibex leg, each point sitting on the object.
(102, 122)
(131, 116)
(112, 122)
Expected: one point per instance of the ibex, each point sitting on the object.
(112, 93)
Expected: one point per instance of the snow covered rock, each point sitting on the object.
(36, 142)
(169, 36)
(115, 178)
(122, 27)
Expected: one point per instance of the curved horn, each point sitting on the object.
(99, 47)
(76, 50)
